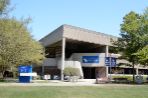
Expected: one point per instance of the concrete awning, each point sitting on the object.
(78, 34)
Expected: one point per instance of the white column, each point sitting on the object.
(63, 58)
(137, 72)
(107, 71)
(106, 55)
(106, 51)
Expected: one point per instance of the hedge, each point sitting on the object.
(130, 78)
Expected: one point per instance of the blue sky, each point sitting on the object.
(98, 15)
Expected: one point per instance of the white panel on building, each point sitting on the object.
(50, 62)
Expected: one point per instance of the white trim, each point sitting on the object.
(28, 74)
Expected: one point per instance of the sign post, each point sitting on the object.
(111, 62)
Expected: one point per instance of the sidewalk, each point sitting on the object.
(81, 82)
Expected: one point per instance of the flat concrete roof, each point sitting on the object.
(78, 34)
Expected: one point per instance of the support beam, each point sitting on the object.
(137, 72)
(106, 55)
(42, 70)
(63, 57)
(106, 51)
(107, 71)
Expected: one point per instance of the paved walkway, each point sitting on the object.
(61, 83)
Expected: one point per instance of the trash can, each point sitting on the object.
(24, 69)
(139, 79)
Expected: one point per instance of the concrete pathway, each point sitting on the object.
(82, 82)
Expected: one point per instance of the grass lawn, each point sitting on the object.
(74, 92)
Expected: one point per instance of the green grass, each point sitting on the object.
(74, 92)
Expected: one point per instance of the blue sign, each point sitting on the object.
(90, 59)
(25, 69)
(110, 61)
(113, 61)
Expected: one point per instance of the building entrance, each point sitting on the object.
(89, 72)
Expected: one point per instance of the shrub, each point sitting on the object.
(130, 78)
(38, 77)
(69, 71)
(145, 78)
(2, 80)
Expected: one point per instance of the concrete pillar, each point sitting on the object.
(106, 55)
(106, 51)
(63, 57)
(137, 72)
(107, 71)
(42, 70)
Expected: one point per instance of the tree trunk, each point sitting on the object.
(2, 75)
(133, 65)
(2, 72)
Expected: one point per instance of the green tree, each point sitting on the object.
(17, 47)
(134, 36)
(143, 55)
(4, 6)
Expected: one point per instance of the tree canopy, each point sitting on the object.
(134, 38)
(17, 46)
(4, 6)
(143, 55)
(134, 35)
